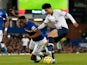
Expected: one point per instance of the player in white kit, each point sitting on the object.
(57, 18)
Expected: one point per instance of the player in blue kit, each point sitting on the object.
(37, 42)
(3, 17)
(37, 39)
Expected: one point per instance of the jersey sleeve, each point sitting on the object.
(68, 15)
(46, 20)
(44, 23)
(63, 13)
(33, 26)
(71, 18)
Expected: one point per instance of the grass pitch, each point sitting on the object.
(61, 59)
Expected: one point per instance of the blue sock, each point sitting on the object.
(50, 48)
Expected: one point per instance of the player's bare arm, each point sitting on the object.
(76, 24)
(13, 13)
(72, 20)
(37, 33)
(6, 26)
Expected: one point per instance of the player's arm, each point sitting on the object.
(44, 24)
(72, 20)
(6, 23)
(68, 15)
(13, 13)
(37, 33)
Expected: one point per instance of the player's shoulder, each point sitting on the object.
(31, 23)
(2, 10)
(57, 10)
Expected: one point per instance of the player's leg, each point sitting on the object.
(31, 49)
(61, 33)
(45, 51)
(43, 43)
(31, 46)
(1, 36)
(4, 49)
(51, 36)
(37, 49)
(35, 53)
(51, 48)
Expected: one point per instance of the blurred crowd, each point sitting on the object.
(20, 44)
(14, 44)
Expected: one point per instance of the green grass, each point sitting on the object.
(62, 59)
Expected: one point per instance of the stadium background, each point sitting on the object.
(78, 9)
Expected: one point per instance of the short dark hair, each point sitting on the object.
(22, 17)
(46, 5)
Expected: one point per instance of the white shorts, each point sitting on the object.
(1, 35)
(37, 46)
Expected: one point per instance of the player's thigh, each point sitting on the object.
(43, 41)
(39, 46)
(37, 49)
(32, 44)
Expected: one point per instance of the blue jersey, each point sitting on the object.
(30, 29)
(3, 15)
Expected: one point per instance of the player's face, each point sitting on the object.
(49, 10)
(22, 22)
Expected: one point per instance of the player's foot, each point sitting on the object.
(54, 61)
(38, 59)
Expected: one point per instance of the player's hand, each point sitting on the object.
(76, 25)
(27, 35)
(12, 11)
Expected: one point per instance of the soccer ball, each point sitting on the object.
(48, 60)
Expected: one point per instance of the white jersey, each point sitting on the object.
(25, 41)
(57, 19)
